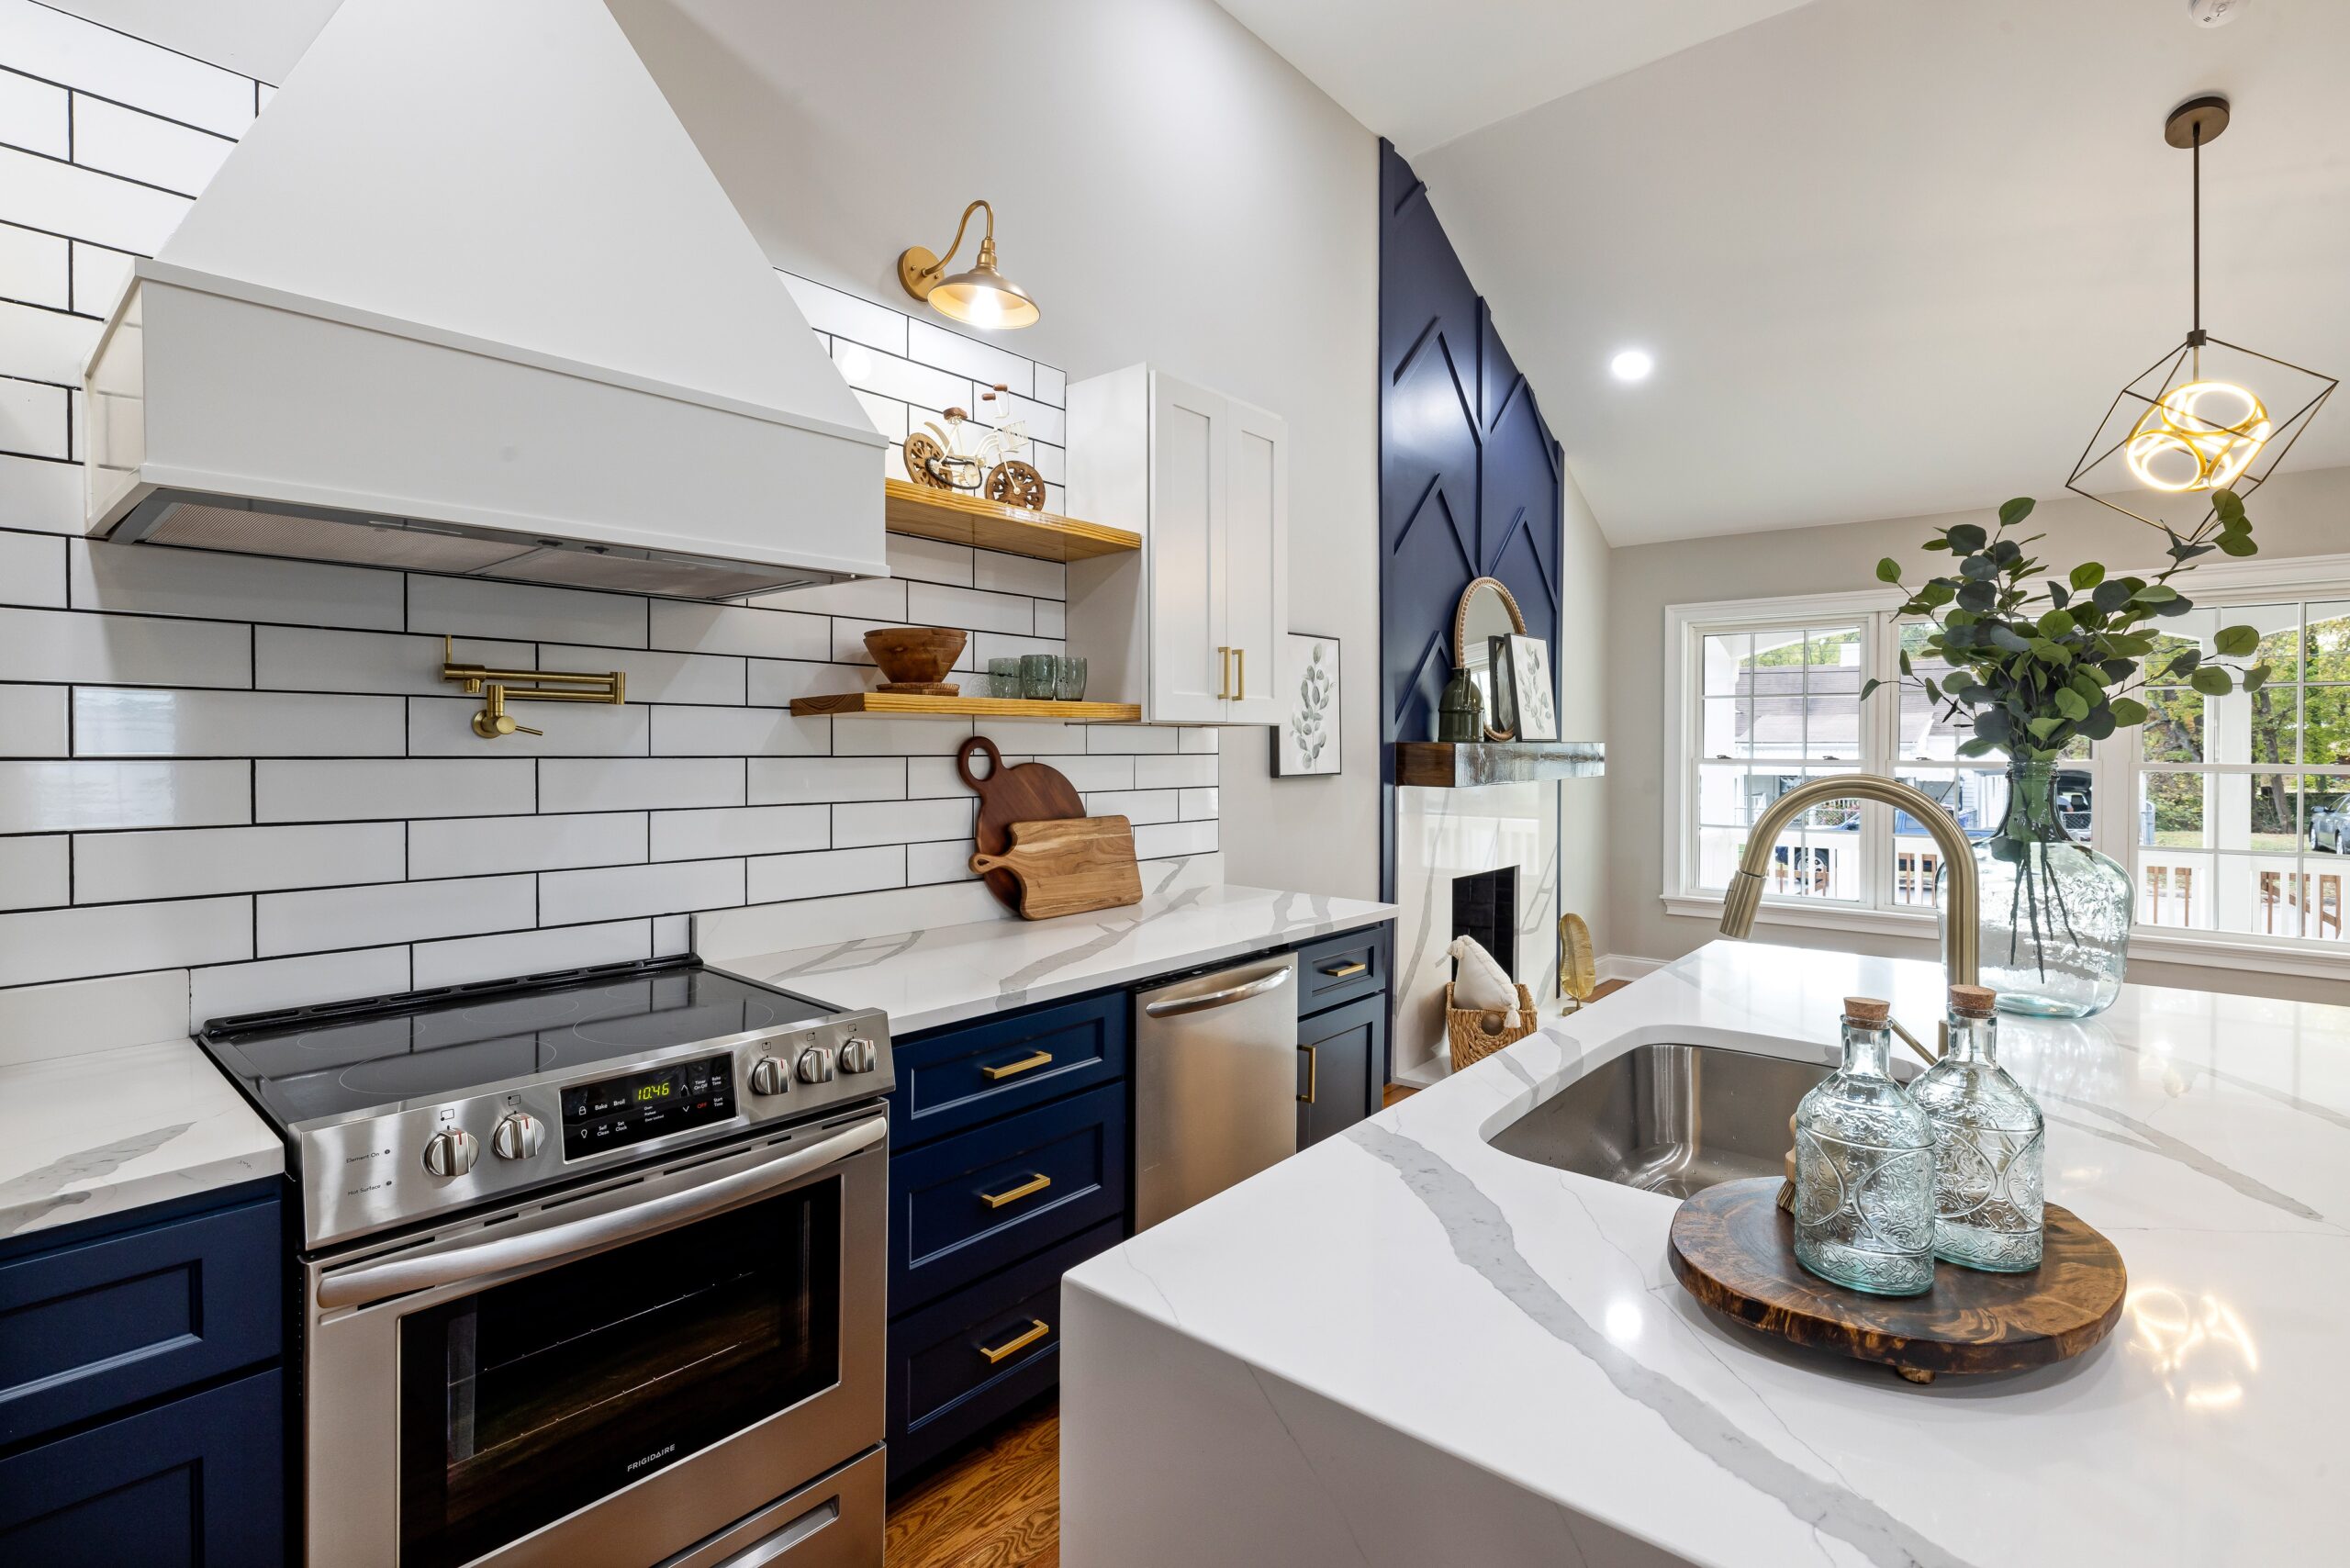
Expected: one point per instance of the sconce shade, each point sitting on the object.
(982, 295)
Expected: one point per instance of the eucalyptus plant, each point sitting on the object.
(2037, 662)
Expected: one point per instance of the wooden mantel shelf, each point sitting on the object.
(956, 519)
(913, 705)
(1442, 765)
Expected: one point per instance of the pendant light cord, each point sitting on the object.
(2198, 157)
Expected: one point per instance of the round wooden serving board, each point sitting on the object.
(1733, 1248)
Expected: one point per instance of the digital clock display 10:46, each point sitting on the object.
(659, 1089)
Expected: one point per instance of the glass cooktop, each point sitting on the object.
(331, 1061)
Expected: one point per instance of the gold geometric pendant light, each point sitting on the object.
(2185, 427)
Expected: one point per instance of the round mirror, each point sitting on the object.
(1487, 612)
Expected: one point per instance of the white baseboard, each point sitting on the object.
(1628, 967)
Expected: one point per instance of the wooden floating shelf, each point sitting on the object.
(1442, 765)
(911, 705)
(956, 519)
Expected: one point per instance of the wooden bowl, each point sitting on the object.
(915, 656)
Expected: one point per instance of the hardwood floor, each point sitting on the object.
(999, 1506)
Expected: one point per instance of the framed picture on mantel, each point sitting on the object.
(1305, 676)
(1528, 677)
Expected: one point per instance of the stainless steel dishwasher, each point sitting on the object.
(1215, 1083)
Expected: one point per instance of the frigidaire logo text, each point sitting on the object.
(662, 1452)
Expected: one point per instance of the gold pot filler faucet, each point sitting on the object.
(495, 687)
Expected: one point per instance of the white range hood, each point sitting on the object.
(466, 299)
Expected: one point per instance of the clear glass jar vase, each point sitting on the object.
(1989, 1140)
(2055, 914)
(1864, 1168)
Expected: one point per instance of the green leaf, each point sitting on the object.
(2184, 663)
(2236, 642)
(2111, 597)
(2088, 576)
(2071, 703)
(2227, 503)
(2257, 676)
(2057, 624)
(1938, 592)
(2043, 728)
(2127, 711)
(2212, 681)
(2015, 512)
(1868, 686)
(1978, 568)
(1889, 570)
(1937, 545)
(2238, 544)
(2006, 638)
(2153, 593)
(1966, 538)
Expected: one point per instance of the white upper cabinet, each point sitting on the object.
(1190, 626)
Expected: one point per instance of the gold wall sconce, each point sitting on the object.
(982, 297)
(495, 687)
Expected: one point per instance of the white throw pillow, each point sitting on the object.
(1481, 984)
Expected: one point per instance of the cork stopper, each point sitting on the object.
(1867, 1011)
(1974, 1001)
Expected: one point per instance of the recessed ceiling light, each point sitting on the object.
(1632, 365)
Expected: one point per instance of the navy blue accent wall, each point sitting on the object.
(1470, 478)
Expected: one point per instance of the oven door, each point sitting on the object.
(607, 1375)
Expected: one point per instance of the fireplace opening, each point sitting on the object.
(1484, 906)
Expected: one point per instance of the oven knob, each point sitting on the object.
(815, 1065)
(451, 1153)
(519, 1136)
(857, 1055)
(768, 1076)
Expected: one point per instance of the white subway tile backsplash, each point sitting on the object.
(33, 115)
(529, 953)
(932, 604)
(870, 598)
(51, 645)
(622, 891)
(355, 791)
(1131, 740)
(891, 376)
(459, 846)
(231, 991)
(1198, 805)
(47, 345)
(672, 935)
(740, 829)
(888, 414)
(119, 868)
(809, 780)
(215, 586)
(143, 147)
(737, 629)
(775, 682)
(123, 938)
(40, 1022)
(99, 277)
(32, 570)
(32, 720)
(1199, 741)
(36, 873)
(990, 645)
(395, 912)
(469, 606)
(1052, 618)
(900, 821)
(1162, 839)
(737, 731)
(1052, 386)
(32, 419)
(1050, 461)
(830, 310)
(655, 678)
(1137, 806)
(999, 573)
(41, 494)
(55, 796)
(1044, 421)
(295, 659)
(899, 737)
(34, 267)
(1037, 737)
(59, 47)
(930, 560)
(444, 726)
(941, 861)
(620, 784)
(983, 363)
(1174, 772)
(84, 204)
(140, 721)
(826, 873)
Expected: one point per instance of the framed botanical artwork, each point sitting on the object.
(1529, 678)
(1305, 677)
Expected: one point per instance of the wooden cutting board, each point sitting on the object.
(1069, 866)
(1029, 793)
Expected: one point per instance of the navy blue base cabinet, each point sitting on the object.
(142, 1405)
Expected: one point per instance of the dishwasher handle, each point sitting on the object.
(1177, 1006)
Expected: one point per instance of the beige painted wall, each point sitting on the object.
(1167, 188)
(1586, 701)
(2296, 514)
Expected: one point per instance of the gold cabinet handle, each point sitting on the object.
(1036, 1183)
(1037, 1329)
(1015, 1068)
(1224, 673)
(1240, 657)
(1342, 972)
(1312, 1074)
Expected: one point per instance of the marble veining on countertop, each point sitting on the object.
(103, 1131)
(1405, 1302)
(953, 973)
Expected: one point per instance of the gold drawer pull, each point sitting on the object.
(1015, 1068)
(1313, 1073)
(1037, 1329)
(1342, 970)
(1224, 679)
(1036, 1183)
(1240, 662)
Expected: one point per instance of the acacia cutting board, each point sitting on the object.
(1028, 793)
(1069, 866)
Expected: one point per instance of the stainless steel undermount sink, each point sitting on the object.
(1668, 1118)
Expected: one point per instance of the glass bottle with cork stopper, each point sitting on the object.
(1864, 1168)
(1988, 1142)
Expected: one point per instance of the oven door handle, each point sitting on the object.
(358, 1287)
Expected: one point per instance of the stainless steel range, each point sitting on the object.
(593, 1270)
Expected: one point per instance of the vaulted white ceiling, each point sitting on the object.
(1895, 258)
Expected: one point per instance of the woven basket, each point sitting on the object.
(1477, 1035)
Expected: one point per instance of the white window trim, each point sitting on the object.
(2216, 583)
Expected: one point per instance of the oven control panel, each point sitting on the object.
(615, 1111)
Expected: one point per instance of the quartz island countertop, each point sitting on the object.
(1405, 1346)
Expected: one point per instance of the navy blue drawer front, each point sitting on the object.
(959, 1363)
(967, 1205)
(198, 1483)
(1341, 1063)
(1341, 968)
(102, 1325)
(957, 1077)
